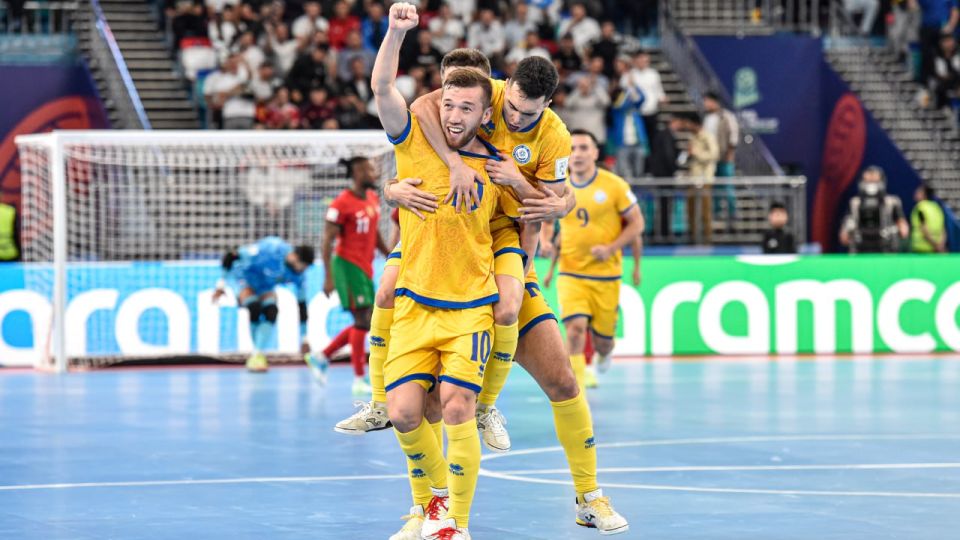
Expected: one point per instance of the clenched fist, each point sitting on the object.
(403, 16)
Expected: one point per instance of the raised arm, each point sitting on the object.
(391, 106)
(463, 179)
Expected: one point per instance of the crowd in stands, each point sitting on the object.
(306, 64)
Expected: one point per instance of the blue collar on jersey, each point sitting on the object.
(588, 182)
(494, 153)
(526, 129)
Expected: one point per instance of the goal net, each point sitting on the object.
(123, 233)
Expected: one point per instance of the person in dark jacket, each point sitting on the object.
(777, 239)
(663, 164)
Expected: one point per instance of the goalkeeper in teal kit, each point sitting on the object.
(253, 271)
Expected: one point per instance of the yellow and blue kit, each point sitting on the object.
(443, 318)
(587, 286)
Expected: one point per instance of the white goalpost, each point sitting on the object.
(122, 234)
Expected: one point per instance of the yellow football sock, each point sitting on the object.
(379, 344)
(463, 454)
(579, 363)
(438, 433)
(501, 360)
(425, 462)
(574, 426)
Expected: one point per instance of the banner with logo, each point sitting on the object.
(38, 99)
(784, 90)
(685, 305)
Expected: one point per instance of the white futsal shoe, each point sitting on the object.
(372, 416)
(595, 511)
(493, 431)
(411, 529)
(435, 513)
(449, 531)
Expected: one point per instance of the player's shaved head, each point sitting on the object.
(464, 105)
(465, 58)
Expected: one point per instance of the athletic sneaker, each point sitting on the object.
(450, 531)
(435, 513)
(411, 529)
(372, 416)
(589, 378)
(361, 387)
(257, 363)
(603, 363)
(493, 431)
(595, 511)
(318, 367)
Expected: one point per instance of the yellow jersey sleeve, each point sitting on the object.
(624, 197)
(555, 146)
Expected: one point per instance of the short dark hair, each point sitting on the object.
(351, 163)
(465, 78)
(712, 95)
(305, 253)
(536, 77)
(465, 58)
(587, 134)
(777, 205)
(928, 191)
(693, 116)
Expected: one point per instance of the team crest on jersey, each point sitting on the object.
(600, 196)
(522, 154)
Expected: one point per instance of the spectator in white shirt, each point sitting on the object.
(586, 106)
(228, 96)
(531, 47)
(462, 9)
(519, 25)
(283, 47)
(253, 55)
(222, 30)
(583, 28)
(310, 22)
(648, 79)
(447, 30)
(487, 35)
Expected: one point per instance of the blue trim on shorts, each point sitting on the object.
(463, 384)
(576, 315)
(529, 326)
(394, 255)
(412, 377)
(402, 136)
(593, 278)
(445, 304)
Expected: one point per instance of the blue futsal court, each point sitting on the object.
(719, 448)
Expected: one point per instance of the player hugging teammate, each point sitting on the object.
(459, 299)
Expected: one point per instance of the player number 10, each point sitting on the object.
(481, 347)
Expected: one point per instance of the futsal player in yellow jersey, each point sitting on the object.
(540, 349)
(441, 331)
(605, 220)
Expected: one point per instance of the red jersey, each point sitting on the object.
(358, 219)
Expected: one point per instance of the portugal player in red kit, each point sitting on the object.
(352, 223)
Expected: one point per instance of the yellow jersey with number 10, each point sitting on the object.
(602, 202)
(447, 258)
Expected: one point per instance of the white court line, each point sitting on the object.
(212, 481)
(735, 440)
(656, 487)
(867, 466)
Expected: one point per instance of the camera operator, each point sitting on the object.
(875, 222)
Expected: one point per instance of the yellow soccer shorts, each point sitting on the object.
(597, 299)
(508, 258)
(534, 309)
(430, 345)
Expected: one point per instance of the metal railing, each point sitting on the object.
(742, 17)
(37, 17)
(728, 211)
(106, 57)
(753, 158)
